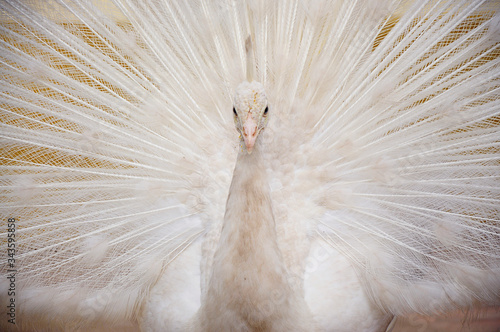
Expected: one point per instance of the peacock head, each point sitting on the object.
(250, 112)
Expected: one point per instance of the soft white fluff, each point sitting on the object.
(118, 150)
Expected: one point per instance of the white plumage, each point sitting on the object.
(379, 162)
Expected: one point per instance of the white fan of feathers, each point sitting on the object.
(381, 154)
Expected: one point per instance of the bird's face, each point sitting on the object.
(250, 112)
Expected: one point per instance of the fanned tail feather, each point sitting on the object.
(118, 145)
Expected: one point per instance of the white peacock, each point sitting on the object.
(365, 184)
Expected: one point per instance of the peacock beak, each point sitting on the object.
(249, 133)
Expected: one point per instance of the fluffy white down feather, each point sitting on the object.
(118, 148)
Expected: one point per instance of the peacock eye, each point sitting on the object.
(234, 111)
(266, 110)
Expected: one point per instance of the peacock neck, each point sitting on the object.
(249, 222)
(249, 212)
(248, 274)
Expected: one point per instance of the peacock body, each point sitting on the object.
(371, 190)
